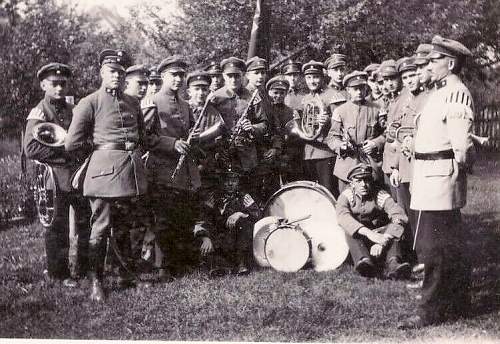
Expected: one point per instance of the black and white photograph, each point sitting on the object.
(250, 171)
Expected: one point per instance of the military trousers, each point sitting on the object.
(71, 220)
(359, 247)
(321, 170)
(109, 214)
(441, 243)
(176, 211)
(403, 200)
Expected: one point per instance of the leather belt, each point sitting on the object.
(125, 146)
(440, 155)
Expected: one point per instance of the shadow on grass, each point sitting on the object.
(484, 248)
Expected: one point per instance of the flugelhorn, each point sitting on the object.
(307, 126)
(49, 134)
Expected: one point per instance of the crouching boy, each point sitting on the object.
(227, 229)
(373, 223)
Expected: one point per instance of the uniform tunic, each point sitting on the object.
(57, 236)
(231, 106)
(378, 212)
(438, 192)
(169, 118)
(107, 117)
(360, 121)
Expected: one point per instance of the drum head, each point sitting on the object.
(299, 199)
(261, 231)
(287, 250)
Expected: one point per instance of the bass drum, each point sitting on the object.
(309, 200)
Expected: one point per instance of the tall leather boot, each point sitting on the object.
(95, 274)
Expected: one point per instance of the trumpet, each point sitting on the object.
(49, 134)
(397, 132)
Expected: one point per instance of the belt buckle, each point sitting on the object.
(129, 146)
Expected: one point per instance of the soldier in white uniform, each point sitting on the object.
(442, 156)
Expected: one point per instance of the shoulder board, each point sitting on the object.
(382, 196)
(147, 103)
(36, 114)
(349, 194)
(248, 200)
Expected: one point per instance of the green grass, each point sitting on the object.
(264, 306)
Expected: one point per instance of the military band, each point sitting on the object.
(392, 144)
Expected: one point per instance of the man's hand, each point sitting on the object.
(369, 146)
(271, 154)
(181, 146)
(322, 119)
(376, 250)
(195, 136)
(231, 220)
(395, 178)
(246, 125)
(378, 238)
(206, 246)
(406, 146)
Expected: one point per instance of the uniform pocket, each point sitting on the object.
(438, 168)
(104, 172)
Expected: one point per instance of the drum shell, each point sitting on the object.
(298, 199)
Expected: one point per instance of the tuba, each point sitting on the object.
(46, 189)
(307, 126)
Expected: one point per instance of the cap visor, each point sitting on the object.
(233, 70)
(175, 70)
(199, 83)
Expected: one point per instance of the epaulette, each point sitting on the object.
(147, 103)
(336, 116)
(36, 114)
(210, 201)
(338, 98)
(349, 194)
(248, 200)
(382, 196)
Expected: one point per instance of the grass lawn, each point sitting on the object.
(264, 306)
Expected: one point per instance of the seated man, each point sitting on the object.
(373, 223)
(227, 230)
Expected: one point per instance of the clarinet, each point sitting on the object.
(238, 127)
(180, 162)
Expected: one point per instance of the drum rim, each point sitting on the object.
(304, 235)
(304, 183)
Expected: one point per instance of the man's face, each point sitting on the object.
(112, 77)
(337, 74)
(216, 82)
(314, 81)
(410, 80)
(173, 80)
(232, 81)
(256, 78)
(362, 186)
(55, 86)
(293, 79)
(424, 74)
(198, 94)
(231, 185)
(357, 93)
(136, 86)
(392, 83)
(154, 86)
(374, 86)
(440, 67)
(277, 95)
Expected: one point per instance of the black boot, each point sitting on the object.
(96, 269)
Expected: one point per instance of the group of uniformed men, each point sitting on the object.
(391, 143)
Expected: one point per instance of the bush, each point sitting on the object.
(16, 191)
